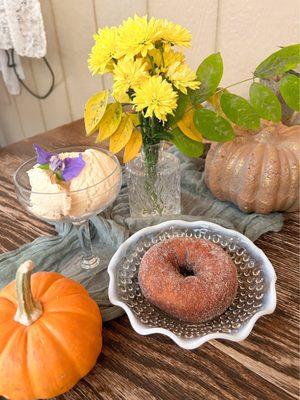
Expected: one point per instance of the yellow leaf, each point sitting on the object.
(110, 121)
(122, 135)
(186, 125)
(94, 110)
(133, 146)
(134, 118)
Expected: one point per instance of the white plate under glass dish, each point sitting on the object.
(256, 295)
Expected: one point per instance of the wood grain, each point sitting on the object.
(133, 367)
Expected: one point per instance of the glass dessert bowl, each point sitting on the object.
(40, 188)
(255, 297)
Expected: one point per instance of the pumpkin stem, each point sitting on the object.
(29, 310)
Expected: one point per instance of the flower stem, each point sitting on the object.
(151, 154)
(162, 56)
(219, 91)
(234, 84)
(149, 129)
(151, 62)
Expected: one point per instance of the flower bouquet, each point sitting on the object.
(157, 97)
(150, 92)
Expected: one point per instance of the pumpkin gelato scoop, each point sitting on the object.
(95, 184)
(86, 193)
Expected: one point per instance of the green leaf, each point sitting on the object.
(209, 73)
(265, 102)
(289, 88)
(239, 111)
(44, 166)
(187, 146)
(212, 126)
(58, 175)
(181, 106)
(279, 62)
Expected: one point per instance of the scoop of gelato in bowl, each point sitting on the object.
(70, 185)
(52, 199)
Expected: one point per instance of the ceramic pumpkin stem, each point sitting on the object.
(29, 310)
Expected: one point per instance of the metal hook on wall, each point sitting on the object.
(11, 64)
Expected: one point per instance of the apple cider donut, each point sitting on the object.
(191, 279)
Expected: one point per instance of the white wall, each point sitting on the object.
(245, 31)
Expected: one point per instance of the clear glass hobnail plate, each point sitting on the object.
(256, 295)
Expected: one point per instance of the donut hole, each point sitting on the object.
(186, 270)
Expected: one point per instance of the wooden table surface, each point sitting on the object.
(133, 367)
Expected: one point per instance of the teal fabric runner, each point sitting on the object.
(111, 228)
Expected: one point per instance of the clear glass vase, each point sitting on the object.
(153, 180)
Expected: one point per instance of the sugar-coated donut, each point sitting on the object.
(191, 279)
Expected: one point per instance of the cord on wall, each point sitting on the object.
(11, 64)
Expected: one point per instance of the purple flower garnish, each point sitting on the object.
(72, 167)
(43, 156)
(55, 163)
(65, 169)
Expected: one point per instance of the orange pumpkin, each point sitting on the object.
(50, 334)
(258, 172)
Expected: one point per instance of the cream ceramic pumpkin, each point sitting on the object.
(258, 172)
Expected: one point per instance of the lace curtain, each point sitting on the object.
(21, 29)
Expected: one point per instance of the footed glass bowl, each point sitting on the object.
(55, 205)
(256, 295)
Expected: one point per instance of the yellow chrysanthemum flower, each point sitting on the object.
(137, 35)
(129, 74)
(120, 95)
(104, 51)
(182, 77)
(157, 96)
(173, 34)
(171, 57)
(164, 60)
